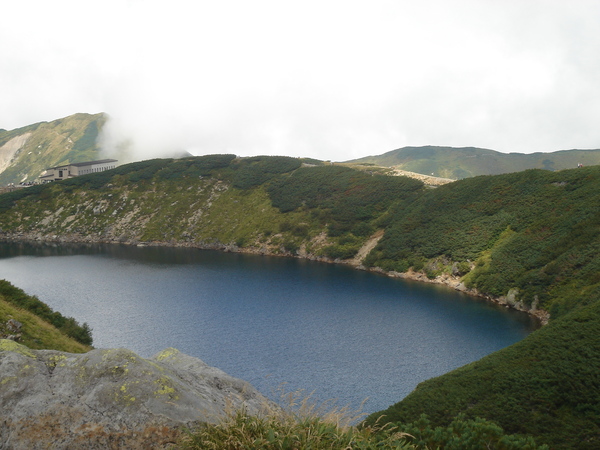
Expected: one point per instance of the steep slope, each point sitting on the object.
(26, 319)
(547, 385)
(531, 237)
(214, 201)
(34, 332)
(26, 152)
(459, 163)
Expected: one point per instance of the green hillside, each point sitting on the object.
(533, 233)
(459, 163)
(217, 201)
(26, 152)
(531, 236)
(41, 327)
(547, 385)
(528, 239)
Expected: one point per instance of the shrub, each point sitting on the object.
(257, 170)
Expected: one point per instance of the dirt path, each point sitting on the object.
(366, 249)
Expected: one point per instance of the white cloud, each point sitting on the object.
(328, 79)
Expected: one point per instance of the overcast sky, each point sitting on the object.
(327, 79)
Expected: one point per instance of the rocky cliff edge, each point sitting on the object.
(110, 398)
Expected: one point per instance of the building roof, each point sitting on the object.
(89, 163)
(83, 164)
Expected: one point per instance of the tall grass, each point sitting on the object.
(302, 423)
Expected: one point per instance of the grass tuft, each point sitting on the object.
(301, 424)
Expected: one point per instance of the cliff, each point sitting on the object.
(110, 398)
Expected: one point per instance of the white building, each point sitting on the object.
(73, 170)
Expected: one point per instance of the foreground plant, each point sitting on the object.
(303, 424)
(306, 424)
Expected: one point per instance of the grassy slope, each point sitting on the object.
(459, 163)
(37, 333)
(68, 140)
(190, 202)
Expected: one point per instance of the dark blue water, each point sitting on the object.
(344, 334)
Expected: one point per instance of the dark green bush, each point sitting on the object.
(254, 171)
(345, 197)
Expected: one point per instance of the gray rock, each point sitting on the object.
(14, 326)
(110, 398)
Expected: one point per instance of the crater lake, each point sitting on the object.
(330, 330)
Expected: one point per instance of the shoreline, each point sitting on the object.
(450, 281)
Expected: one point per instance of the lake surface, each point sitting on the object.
(344, 334)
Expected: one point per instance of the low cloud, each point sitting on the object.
(332, 80)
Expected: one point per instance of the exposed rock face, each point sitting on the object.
(11, 330)
(11, 148)
(109, 398)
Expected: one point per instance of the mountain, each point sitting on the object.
(26, 152)
(529, 240)
(459, 163)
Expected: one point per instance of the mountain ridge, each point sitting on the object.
(464, 162)
(27, 151)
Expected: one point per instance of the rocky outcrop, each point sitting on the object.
(110, 398)
(11, 148)
(11, 330)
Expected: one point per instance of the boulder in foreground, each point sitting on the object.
(110, 398)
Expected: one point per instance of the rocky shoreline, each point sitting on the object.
(452, 281)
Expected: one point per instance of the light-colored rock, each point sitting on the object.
(10, 149)
(109, 398)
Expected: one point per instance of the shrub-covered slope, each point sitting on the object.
(534, 234)
(547, 385)
(217, 201)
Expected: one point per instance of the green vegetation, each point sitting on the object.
(464, 434)
(530, 237)
(35, 332)
(534, 231)
(465, 162)
(301, 424)
(547, 385)
(254, 171)
(348, 196)
(66, 325)
(215, 201)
